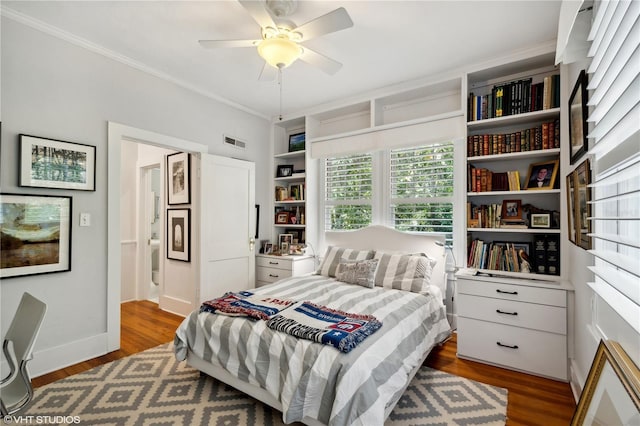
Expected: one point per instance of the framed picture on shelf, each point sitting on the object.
(284, 170)
(611, 394)
(571, 208)
(284, 240)
(282, 218)
(36, 234)
(296, 142)
(578, 117)
(268, 248)
(582, 203)
(50, 163)
(179, 234)
(542, 175)
(540, 220)
(511, 210)
(179, 178)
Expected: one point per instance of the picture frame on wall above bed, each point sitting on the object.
(398, 348)
(52, 163)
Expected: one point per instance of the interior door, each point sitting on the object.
(227, 194)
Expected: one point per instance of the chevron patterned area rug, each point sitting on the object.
(151, 388)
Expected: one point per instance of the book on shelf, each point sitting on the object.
(544, 136)
(485, 180)
(546, 249)
(497, 256)
(486, 215)
(515, 97)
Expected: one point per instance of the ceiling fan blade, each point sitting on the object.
(214, 44)
(268, 73)
(333, 21)
(326, 64)
(258, 12)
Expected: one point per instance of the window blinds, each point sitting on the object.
(615, 116)
(348, 192)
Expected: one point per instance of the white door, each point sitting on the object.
(227, 223)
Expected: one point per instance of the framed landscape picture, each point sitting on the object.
(35, 234)
(179, 234)
(296, 142)
(50, 163)
(178, 178)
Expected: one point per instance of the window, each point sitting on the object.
(348, 192)
(615, 102)
(417, 196)
(421, 193)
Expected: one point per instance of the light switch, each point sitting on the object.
(85, 219)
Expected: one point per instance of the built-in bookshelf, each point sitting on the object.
(513, 170)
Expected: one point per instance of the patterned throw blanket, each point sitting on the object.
(342, 330)
(246, 304)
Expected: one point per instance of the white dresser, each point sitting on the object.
(273, 268)
(514, 323)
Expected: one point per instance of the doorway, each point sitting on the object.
(150, 198)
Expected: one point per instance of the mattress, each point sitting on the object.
(316, 381)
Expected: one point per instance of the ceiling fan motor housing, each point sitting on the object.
(280, 8)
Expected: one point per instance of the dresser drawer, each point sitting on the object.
(274, 262)
(511, 312)
(545, 296)
(533, 351)
(271, 275)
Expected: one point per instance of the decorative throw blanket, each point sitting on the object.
(342, 330)
(246, 304)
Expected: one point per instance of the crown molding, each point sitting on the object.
(93, 47)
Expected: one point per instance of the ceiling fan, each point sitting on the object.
(280, 44)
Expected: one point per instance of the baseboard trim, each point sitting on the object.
(56, 358)
(175, 306)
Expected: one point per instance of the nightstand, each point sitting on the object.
(270, 268)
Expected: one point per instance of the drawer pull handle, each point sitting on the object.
(274, 276)
(273, 263)
(506, 292)
(505, 312)
(507, 346)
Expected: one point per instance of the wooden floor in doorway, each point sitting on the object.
(532, 400)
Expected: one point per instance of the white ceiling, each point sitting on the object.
(391, 42)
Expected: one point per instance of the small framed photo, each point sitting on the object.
(284, 170)
(540, 220)
(282, 218)
(578, 118)
(179, 234)
(285, 239)
(296, 142)
(542, 175)
(179, 178)
(36, 234)
(268, 248)
(50, 163)
(511, 210)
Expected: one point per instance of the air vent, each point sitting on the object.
(235, 142)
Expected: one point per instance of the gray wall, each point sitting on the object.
(54, 89)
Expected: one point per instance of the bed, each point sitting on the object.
(318, 384)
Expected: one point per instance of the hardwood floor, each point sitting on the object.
(532, 400)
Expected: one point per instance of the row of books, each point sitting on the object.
(545, 136)
(484, 180)
(295, 192)
(496, 256)
(491, 216)
(515, 97)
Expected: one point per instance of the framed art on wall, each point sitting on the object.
(50, 163)
(578, 117)
(582, 178)
(179, 234)
(571, 208)
(179, 178)
(35, 234)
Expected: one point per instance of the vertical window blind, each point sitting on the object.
(348, 192)
(421, 189)
(614, 102)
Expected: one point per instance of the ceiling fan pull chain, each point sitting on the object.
(280, 85)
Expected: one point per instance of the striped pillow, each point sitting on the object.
(334, 254)
(409, 272)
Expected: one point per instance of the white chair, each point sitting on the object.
(16, 390)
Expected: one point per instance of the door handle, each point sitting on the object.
(252, 243)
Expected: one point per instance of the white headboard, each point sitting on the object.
(381, 238)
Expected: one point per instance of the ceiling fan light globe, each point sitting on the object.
(279, 52)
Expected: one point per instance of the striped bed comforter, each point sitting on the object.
(314, 380)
